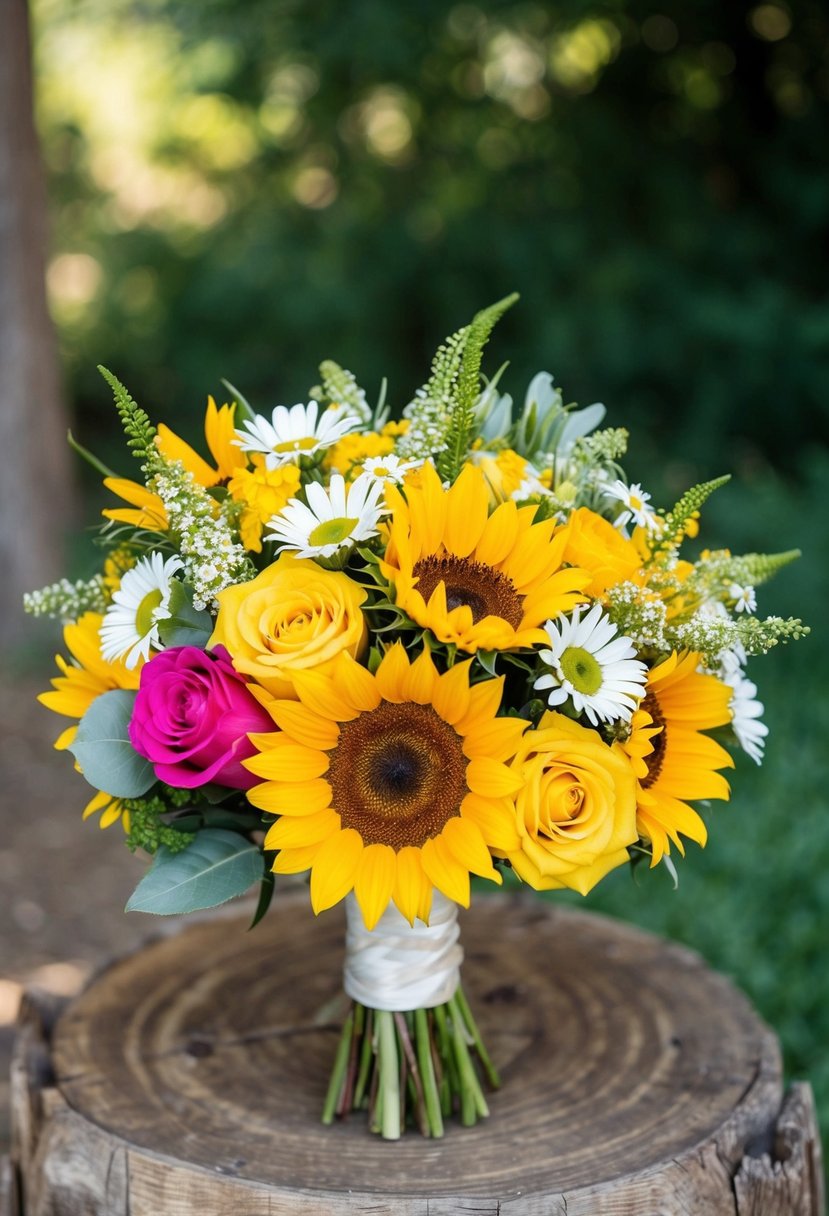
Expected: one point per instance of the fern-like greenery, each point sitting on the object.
(138, 429)
(685, 509)
(468, 387)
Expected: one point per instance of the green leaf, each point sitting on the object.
(216, 867)
(186, 625)
(265, 896)
(103, 749)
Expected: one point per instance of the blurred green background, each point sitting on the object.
(241, 188)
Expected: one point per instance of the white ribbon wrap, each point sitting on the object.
(397, 967)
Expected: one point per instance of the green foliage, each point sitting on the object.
(341, 388)
(148, 830)
(468, 388)
(138, 429)
(186, 625)
(676, 519)
(215, 867)
(103, 749)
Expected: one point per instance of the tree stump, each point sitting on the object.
(189, 1078)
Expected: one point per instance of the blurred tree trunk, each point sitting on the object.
(35, 484)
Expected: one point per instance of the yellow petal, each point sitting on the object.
(499, 535)
(412, 889)
(374, 881)
(96, 804)
(219, 432)
(335, 868)
(495, 818)
(484, 703)
(419, 684)
(287, 761)
(174, 448)
(447, 874)
(290, 797)
(111, 815)
(357, 684)
(294, 861)
(466, 513)
(304, 726)
(498, 738)
(392, 673)
(467, 847)
(450, 697)
(320, 694)
(491, 779)
(298, 831)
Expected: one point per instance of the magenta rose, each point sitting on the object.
(192, 716)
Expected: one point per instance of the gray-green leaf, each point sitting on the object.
(103, 749)
(216, 867)
(186, 625)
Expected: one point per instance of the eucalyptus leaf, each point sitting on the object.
(216, 867)
(186, 625)
(103, 749)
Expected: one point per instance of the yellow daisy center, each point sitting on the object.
(483, 589)
(332, 531)
(656, 758)
(397, 774)
(582, 670)
(296, 445)
(144, 614)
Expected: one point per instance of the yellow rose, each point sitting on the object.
(576, 811)
(292, 617)
(595, 545)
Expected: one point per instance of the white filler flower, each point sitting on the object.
(333, 519)
(130, 625)
(592, 667)
(299, 431)
(389, 468)
(636, 503)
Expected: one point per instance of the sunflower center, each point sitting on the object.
(397, 774)
(582, 670)
(655, 760)
(144, 619)
(332, 531)
(481, 588)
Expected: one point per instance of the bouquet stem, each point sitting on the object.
(419, 1066)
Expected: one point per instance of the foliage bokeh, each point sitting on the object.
(240, 189)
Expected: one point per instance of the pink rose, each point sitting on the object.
(192, 716)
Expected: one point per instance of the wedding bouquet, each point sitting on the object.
(394, 654)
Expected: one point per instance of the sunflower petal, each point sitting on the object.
(495, 818)
(357, 684)
(467, 847)
(304, 726)
(294, 861)
(412, 889)
(335, 868)
(291, 797)
(447, 874)
(374, 881)
(297, 831)
(491, 779)
(392, 673)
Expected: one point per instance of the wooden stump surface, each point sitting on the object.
(189, 1078)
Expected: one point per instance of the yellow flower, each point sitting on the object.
(479, 581)
(576, 808)
(388, 784)
(146, 509)
(116, 564)
(348, 453)
(671, 759)
(219, 433)
(264, 492)
(592, 543)
(504, 472)
(292, 617)
(84, 678)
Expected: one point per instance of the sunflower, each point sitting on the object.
(389, 784)
(220, 436)
(477, 580)
(87, 676)
(672, 760)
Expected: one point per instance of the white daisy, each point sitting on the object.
(332, 519)
(389, 468)
(743, 597)
(299, 431)
(130, 625)
(592, 667)
(636, 503)
(745, 708)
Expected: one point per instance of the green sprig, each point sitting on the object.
(138, 429)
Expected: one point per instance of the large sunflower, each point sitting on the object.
(673, 762)
(388, 784)
(480, 581)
